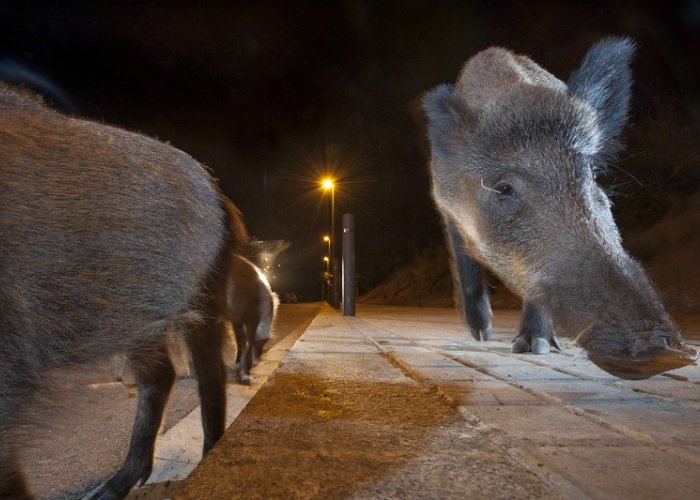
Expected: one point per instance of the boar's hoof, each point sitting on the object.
(538, 345)
(554, 341)
(482, 333)
(646, 363)
(520, 344)
(105, 492)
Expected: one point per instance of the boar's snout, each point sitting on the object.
(637, 353)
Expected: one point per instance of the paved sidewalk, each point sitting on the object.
(401, 403)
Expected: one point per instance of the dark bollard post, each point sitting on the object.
(335, 293)
(348, 265)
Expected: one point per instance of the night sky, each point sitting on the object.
(273, 95)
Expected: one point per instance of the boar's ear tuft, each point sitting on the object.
(447, 118)
(604, 81)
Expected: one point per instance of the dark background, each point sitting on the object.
(273, 95)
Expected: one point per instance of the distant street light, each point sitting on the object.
(327, 239)
(325, 279)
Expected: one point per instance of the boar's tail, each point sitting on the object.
(236, 241)
(238, 234)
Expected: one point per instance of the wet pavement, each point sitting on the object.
(402, 403)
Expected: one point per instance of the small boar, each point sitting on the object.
(515, 153)
(107, 239)
(250, 308)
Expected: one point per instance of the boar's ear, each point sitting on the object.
(604, 81)
(448, 118)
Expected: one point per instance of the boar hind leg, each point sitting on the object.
(239, 332)
(536, 333)
(258, 346)
(470, 291)
(247, 360)
(206, 344)
(244, 350)
(155, 375)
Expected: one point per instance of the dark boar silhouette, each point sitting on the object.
(515, 153)
(107, 239)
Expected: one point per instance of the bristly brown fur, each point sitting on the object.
(107, 239)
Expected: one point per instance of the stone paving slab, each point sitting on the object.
(571, 405)
(403, 403)
(622, 471)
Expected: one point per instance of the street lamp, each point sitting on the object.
(325, 279)
(327, 239)
(328, 184)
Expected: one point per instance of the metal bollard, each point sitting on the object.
(348, 265)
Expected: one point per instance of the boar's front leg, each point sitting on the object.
(536, 332)
(155, 375)
(470, 291)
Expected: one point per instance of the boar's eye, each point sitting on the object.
(504, 189)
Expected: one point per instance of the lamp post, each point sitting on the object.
(328, 184)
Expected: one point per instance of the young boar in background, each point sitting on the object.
(250, 308)
(515, 153)
(107, 239)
